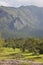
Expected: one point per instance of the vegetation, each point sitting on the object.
(21, 48)
(32, 45)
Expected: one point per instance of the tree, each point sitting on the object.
(1, 40)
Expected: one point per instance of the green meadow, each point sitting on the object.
(10, 53)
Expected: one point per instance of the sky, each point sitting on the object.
(17, 3)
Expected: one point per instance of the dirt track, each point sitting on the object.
(18, 62)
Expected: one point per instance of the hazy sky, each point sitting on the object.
(17, 3)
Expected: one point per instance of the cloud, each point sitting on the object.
(17, 3)
(38, 2)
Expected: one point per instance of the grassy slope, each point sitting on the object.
(9, 53)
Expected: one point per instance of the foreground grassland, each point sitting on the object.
(10, 53)
(21, 49)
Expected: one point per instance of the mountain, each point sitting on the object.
(24, 21)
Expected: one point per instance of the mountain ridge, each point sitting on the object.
(23, 21)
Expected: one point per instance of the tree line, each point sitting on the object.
(33, 45)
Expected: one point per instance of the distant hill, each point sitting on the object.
(24, 21)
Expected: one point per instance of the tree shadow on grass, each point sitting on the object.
(38, 57)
